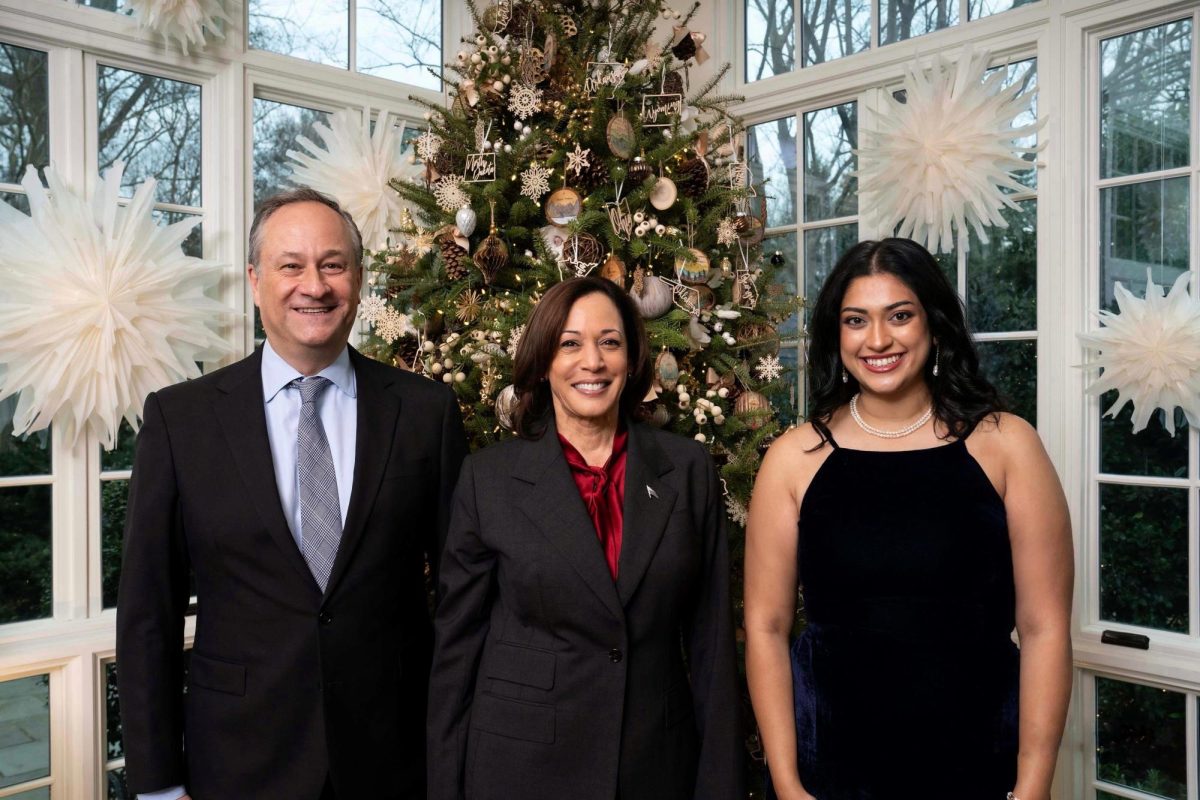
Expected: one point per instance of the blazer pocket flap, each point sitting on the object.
(515, 719)
(406, 468)
(523, 665)
(678, 704)
(220, 676)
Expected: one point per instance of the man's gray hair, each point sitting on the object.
(302, 194)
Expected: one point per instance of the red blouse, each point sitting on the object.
(603, 492)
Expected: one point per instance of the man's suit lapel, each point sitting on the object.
(378, 412)
(554, 505)
(648, 505)
(243, 421)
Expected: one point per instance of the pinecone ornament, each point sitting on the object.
(454, 257)
(406, 352)
(672, 83)
(691, 177)
(595, 175)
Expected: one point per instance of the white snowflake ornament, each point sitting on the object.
(427, 145)
(514, 340)
(726, 232)
(355, 167)
(391, 325)
(371, 308)
(98, 307)
(1150, 353)
(535, 182)
(937, 162)
(769, 368)
(578, 160)
(189, 22)
(524, 100)
(449, 193)
(735, 510)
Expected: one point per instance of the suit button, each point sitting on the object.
(615, 655)
(325, 617)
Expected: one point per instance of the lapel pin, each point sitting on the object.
(651, 493)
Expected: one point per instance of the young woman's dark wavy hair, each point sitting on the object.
(962, 397)
(539, 345)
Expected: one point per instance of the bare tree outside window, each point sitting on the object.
(24, 112)
(832, 29)
(401, 40)
(770, 38)
(904, 19)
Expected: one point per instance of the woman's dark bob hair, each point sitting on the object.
(539, 346)
(962, 397)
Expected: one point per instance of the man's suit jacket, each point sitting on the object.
(550, 680)
(286, 685)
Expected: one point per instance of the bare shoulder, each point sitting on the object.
(794, 458)
(1008, 437)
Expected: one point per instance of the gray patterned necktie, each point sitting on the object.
(320, 511)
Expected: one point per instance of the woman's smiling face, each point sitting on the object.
(885, 339)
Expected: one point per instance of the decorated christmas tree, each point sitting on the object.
(576, 144)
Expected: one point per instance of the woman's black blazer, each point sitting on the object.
(550, 680)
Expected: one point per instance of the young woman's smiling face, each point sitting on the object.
(885, 338)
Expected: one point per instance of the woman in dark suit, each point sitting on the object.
(584, 638)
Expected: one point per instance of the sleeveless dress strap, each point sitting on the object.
(829, 438)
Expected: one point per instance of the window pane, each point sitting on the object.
(770, 38)
(405, 40)
(1144, 556)
(1025, 74)
(193, 245)
(772, 157)
(114, 737)
(29, 455)
(830, 188)
(121, 456)
(276, 128)
(985, 8)
(1145, 81)
(24, 111)
(1140, 736)
(785, 274)
(1011, 366)
(114, 496)
(834, 28)
(118, 789)
(1150, 452)
(153, 125)
(822, 249)
(1002, 274)
(904, 19)
(17, 200)
(315, 30)
(24, 730)
(25, 543)
(109, 5)
(1143, 225)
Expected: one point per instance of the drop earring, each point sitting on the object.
(937, 354)
(845, 376)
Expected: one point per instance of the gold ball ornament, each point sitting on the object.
(752, 401)
(614, 270)
(639, 171)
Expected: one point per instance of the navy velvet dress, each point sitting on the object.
(906, 677)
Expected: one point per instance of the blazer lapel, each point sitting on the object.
(648, 505)
(243, 421)
(378, 412)
(554, 505)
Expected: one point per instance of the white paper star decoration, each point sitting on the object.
(1150, 353)
(98, 307)
(185, 21)
(354, 167)
(535, 182)
(938, 161)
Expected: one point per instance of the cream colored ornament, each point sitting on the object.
(664, 194)
(655, 298)
(506, 404)
(614, 270)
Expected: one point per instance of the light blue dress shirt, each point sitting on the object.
(338, 408)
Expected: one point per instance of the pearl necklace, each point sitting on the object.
(882, 434)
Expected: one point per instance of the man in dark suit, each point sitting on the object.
(303, 487)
